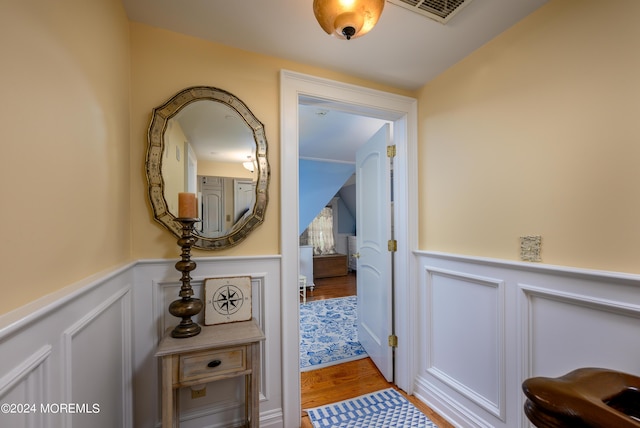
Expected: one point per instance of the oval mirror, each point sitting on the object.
(204, 140)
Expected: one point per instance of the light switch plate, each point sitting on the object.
(530, 248)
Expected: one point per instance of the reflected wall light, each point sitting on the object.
(347, 19)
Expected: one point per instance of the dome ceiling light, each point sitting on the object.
(347, 19)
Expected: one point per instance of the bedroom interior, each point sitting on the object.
(328, 324)
(528, 130)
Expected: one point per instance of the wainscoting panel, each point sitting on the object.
(487, 325)
(66, 358)
(102, 338)
(465, 318)
(25, 384)
(92, 344)
(581, 331)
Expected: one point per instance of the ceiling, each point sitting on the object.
(333, 135)
(405, 50)
(216, 132)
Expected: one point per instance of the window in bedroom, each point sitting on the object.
(319, 234)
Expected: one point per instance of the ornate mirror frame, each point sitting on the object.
(160, 117)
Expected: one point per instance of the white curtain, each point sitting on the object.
(320, 233)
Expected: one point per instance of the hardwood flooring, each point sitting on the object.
(330, 288)
(351, 379)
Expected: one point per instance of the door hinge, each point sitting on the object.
(391, 151)
(393, 340)
(392, 245)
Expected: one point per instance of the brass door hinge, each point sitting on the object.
(392, 245)
(393, 341)
(391, 151)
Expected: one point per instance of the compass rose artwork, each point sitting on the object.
(227, 300)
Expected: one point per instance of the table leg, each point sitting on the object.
(167, 394)
(254, 379)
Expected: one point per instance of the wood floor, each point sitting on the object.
(330, 288)
(347, 380)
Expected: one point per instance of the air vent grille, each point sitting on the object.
(438, 10)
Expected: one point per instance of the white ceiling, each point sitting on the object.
(332, 134)
(404, 50)
(233, 142)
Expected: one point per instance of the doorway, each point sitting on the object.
(402, 111)
(354, 200)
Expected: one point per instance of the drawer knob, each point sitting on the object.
(214, 363)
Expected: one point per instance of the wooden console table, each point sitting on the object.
(218, 352)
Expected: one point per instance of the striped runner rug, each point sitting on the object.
(381, 409)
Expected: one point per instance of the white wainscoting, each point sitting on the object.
(73, 346)
(487, 325)
(94, 343)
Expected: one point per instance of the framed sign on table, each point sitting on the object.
(227, 299)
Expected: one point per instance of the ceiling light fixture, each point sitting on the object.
(249, 165)
(347, 19)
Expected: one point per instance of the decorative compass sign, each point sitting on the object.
(227, 300)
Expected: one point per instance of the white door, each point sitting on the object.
(212, 194)
(373, 225)
(244, 196)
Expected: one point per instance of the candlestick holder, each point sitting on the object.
(187, 306)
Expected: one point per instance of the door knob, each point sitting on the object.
(355, 255)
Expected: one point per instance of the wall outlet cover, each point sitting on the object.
(530, 248)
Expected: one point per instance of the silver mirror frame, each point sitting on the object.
(153, 164)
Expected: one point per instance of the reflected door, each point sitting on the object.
(212, 194)
(244, 197)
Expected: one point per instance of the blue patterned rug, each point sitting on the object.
(328, 333)
(381, 409)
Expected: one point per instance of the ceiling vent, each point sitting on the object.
(438, 10)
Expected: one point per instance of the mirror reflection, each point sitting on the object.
(206, 141)
(210, 151)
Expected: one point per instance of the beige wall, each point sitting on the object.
(64, 175)
(224, 169)
(537, 133)
(164, 63)
(533, 134)
(174, 164)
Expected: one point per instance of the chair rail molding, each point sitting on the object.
(515, 320)
(58, 348)
(104, 331)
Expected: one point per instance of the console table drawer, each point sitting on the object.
(201, 365)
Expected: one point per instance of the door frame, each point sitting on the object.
(402, 111)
